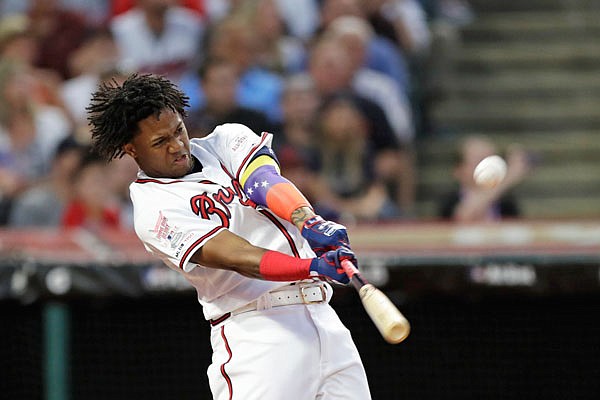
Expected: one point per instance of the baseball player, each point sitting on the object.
(217, 210)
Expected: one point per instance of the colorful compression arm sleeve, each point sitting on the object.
(265, 186)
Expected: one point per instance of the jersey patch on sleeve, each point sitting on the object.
(167, 234)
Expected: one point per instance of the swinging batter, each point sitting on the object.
(217, 210)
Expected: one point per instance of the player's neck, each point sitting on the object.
(196, 166)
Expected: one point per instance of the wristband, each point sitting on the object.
(276, 266)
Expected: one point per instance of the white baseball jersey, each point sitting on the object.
(175, 217)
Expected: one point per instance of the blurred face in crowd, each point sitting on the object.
(95, 55)
(342, 122)
(161, 147)
(354, 34)
(299, 102)
(17, 90)
(330, 67)
(21, 48)
(268, 21)
(355, 47)
(235, 41)
(219, 84)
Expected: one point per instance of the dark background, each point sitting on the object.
(489, 347)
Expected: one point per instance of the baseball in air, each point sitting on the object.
(490, 171)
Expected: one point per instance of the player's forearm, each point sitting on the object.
(265, 186)
(231, 252)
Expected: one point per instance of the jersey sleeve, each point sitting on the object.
(236, 144)
(175, 233)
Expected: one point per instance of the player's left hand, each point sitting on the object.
(329, 265)
(323, 236)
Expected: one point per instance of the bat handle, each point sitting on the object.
(349, 268)
(354, 274)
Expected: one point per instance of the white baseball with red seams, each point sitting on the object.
(253, 351)
(490, 171)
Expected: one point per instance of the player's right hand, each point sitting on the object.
(323, 235)
(329, 265)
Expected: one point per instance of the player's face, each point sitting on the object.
(162, 146)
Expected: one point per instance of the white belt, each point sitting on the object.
(297, 293)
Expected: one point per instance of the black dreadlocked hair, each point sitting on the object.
(114, 111)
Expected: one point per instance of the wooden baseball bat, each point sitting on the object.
(390, 322)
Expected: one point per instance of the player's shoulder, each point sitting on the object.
(232, 130)
(230, 136)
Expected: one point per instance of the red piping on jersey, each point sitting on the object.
(250, 153)
(146, 180)
(223, 372)
(283, 230)
(217, 321)
(196, 243)
(224, 168)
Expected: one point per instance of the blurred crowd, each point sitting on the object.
(341, 84)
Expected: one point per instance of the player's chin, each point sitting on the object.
(181, 166)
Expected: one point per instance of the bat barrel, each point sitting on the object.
(390, 322)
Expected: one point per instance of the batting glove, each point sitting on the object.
(329, 265)
(323, 236)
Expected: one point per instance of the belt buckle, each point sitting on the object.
(303, 295)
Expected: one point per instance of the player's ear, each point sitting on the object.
(129, 149)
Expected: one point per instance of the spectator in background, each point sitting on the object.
(332, 71)
(19, 45)
(277, 51)
(94, 204)
(44, 203)
(17, 42)
(295, 142)
(382, 54)
(234, 40)
(58, 32)
(97, 53)
(469, 202)
(94, 11)
(95, 61)
(158, 36)
(29, 132)
(402, 21)
(301, 17)
(295, 136)
(351, 165)
(354, 34)
(219, 81)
